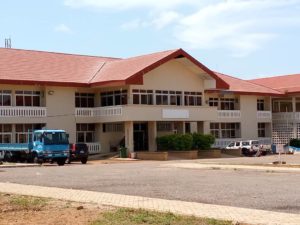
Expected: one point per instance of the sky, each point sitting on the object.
(243, 38)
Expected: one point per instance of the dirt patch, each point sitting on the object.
(20, 210)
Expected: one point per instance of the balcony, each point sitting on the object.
(32, 112)
(286, 116)
(229, 114)
(264, 115)
(147, 113)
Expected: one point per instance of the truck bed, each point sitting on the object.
(14, 147)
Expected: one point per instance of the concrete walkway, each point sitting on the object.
(232, 167)
(250, 216)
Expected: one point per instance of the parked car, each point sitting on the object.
(249, 147)
(78, 151)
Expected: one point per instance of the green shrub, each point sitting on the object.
(295, 143)
(181, 142)
(175, 142)
(203, 141)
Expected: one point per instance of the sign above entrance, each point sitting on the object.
(175, 114)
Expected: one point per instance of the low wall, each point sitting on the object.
(234, 152)
(212, 153)
(152, 155)
(183, 154)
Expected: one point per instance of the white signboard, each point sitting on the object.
(175, 114)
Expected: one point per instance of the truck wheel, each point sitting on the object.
(61, 162)
(83, 160)
(36, 159)
(8, 157)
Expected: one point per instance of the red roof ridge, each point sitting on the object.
(249, 81)
(152, 53)
(276, 76)
(59, 53)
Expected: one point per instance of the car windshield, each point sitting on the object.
(55, 138)
(255, 142)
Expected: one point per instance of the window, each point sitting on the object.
(85, 132)
(227, 103)
(164, 126)
(260, 104)
(5, 98)
(175, 97)
(55, 138)
(214, 129)
(282, 105)
(261, 130)
(192, 98)
(83, 100)
(28, 98)
(113, 127)
(162, 97)
(213, 102)
(225, 130)
(22, 131)
(114, 98)
(144, 97)
(5, 133)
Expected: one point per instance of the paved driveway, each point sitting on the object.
(277, 191)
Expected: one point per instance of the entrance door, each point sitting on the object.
(140, 131)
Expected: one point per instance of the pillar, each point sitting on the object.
(129, 136)
(152, 134)
(206, 127)
(294, 114)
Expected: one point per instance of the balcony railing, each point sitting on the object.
(230, 114)
(222, 143)
(285, 116)
(264, 114)
(11, 111)
(99, 111)
(94, 148)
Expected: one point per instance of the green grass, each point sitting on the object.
(26, 202)
(135, 217)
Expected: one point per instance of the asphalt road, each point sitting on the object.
(275, 191)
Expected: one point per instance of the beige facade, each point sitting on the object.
(176, 101)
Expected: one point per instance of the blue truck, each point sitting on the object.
(42, 146)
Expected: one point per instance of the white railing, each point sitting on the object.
(222, 143)
(283, 116)
(12, 111)
(94, 148)
(99, 111)
(264, 114)
(231, 114)
(108, 111)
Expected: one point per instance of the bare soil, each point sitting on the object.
(20, 210)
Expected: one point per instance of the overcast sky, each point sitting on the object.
(243, 38)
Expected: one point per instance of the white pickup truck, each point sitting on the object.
(248, 147)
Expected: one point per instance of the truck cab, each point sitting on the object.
(49, 145)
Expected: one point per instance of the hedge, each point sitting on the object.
(181, 142)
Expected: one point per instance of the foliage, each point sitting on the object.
(183, 142)
(203, 141)
(178, 142)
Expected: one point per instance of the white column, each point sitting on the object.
(294, 114)
(152, 134)
(206, 127)
(129, 136)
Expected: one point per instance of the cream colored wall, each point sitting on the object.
(60, 110)
(172, 76)
(249, 116)
(108, 139)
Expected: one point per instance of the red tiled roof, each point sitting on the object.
(27, 66)
(31, 67)
(286, 83)
(245, 87)
(132, 69)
